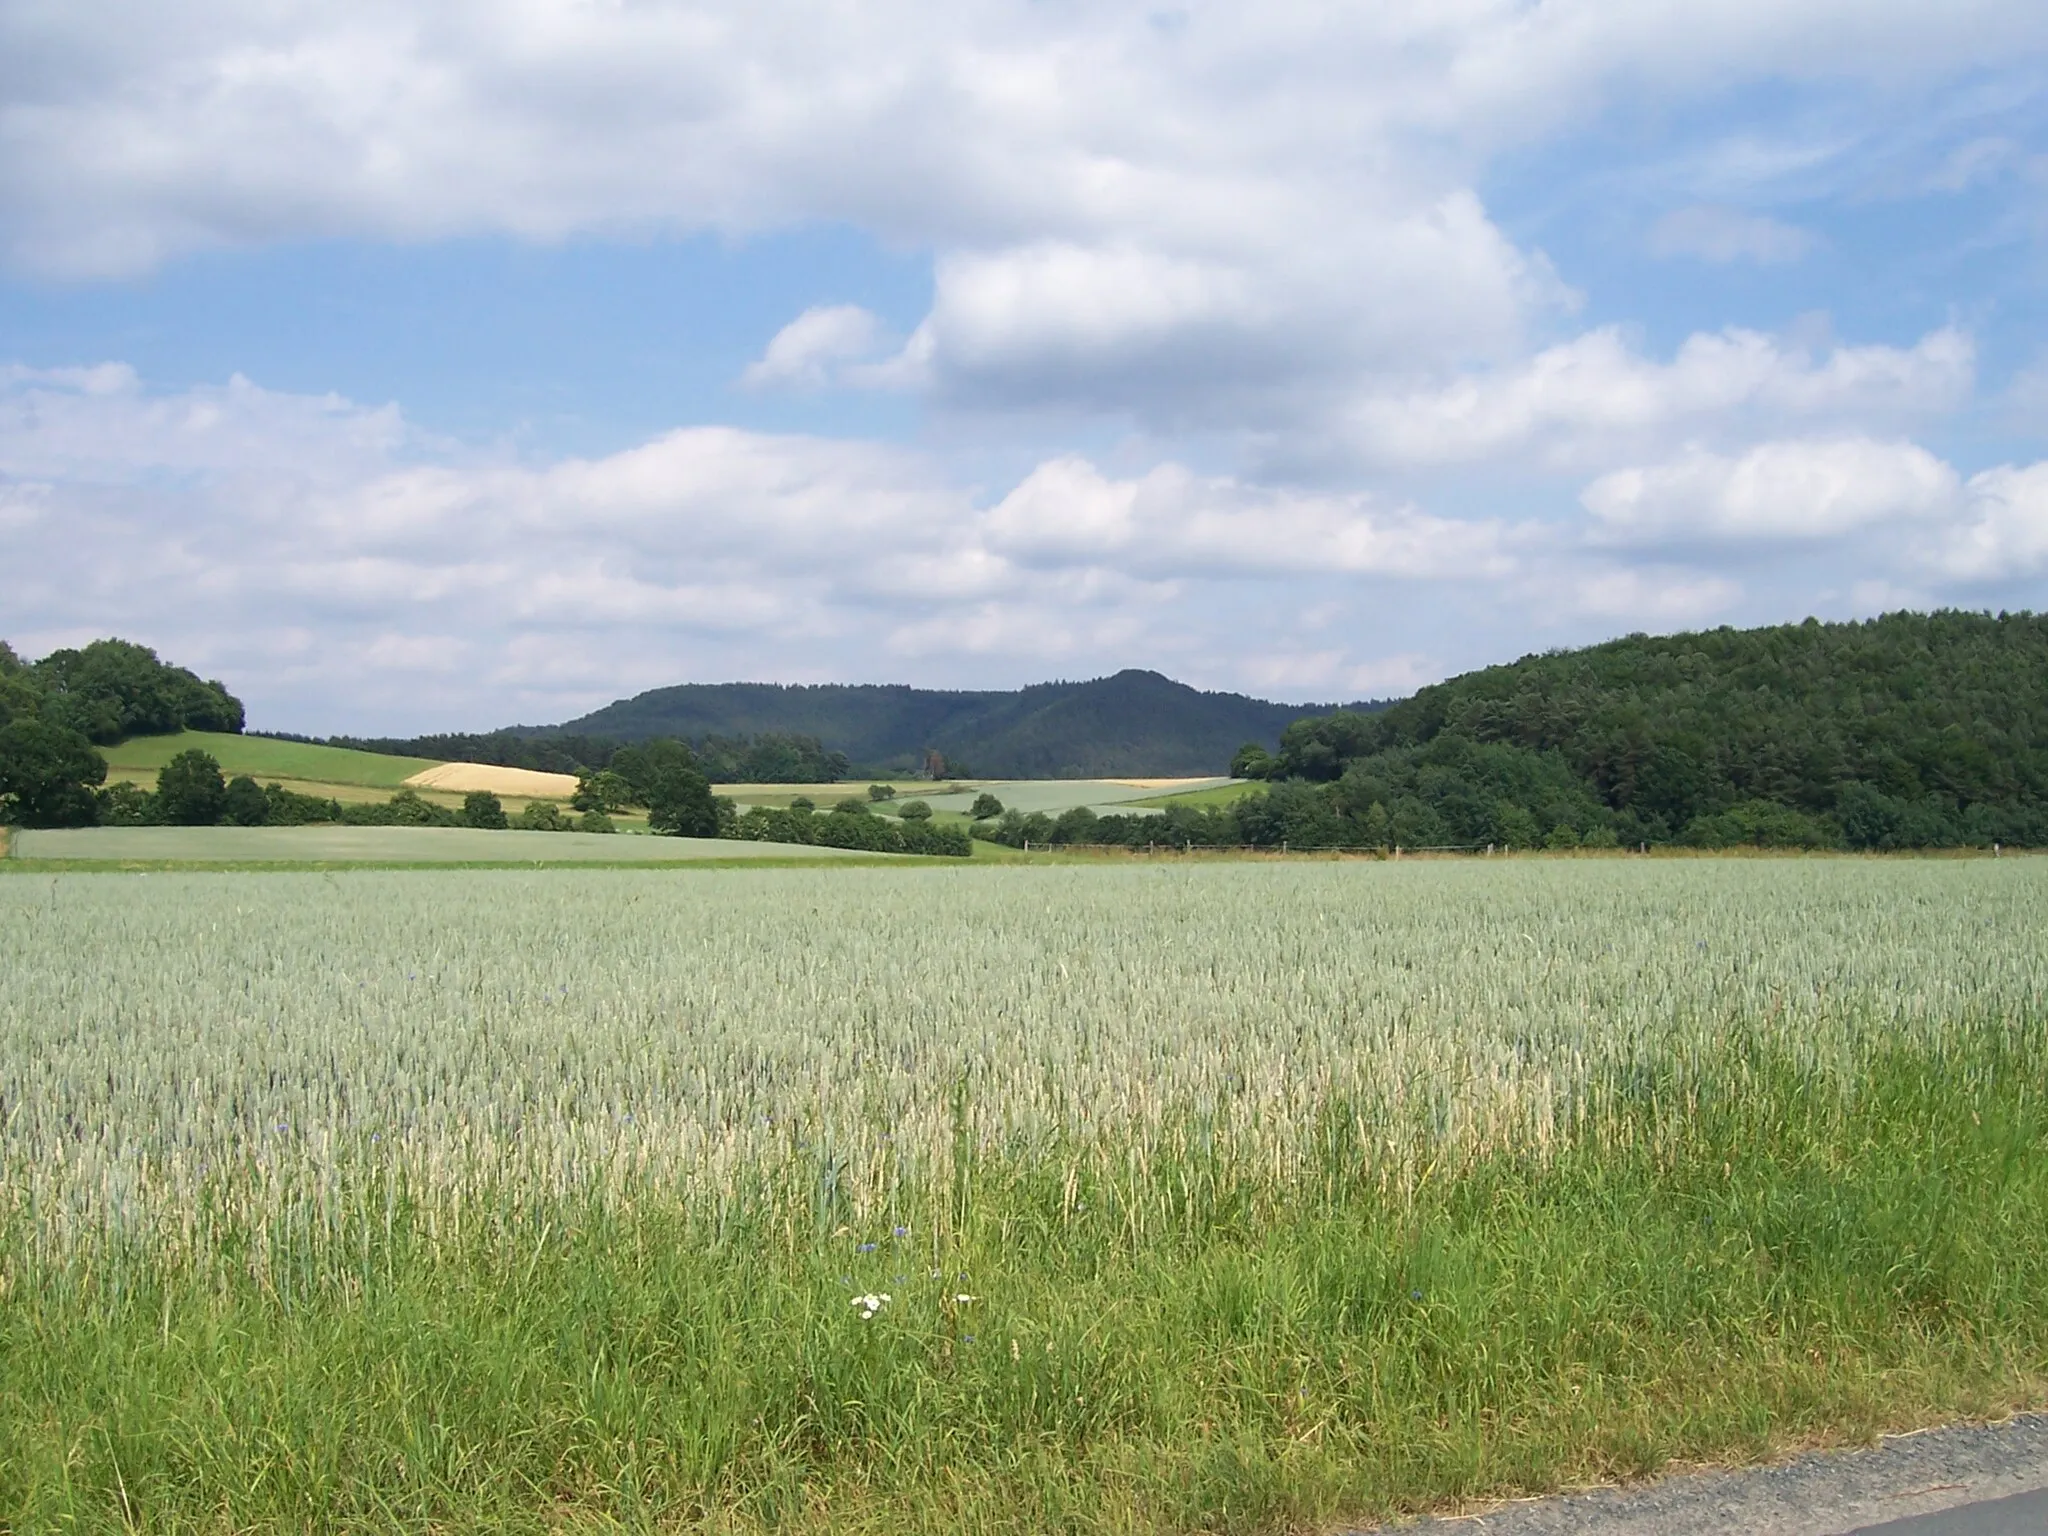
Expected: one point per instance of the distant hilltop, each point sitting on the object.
(1133, 724)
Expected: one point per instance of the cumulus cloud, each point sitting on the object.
(346, 570)
(323, 551)
(1776, 492)
(814, 349)
(1595, 396)
(2004, 530)
(1191, 217)
(1728, 234)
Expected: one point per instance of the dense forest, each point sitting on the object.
(1912, 730)
(1133, 724)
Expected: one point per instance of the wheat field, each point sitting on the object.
(885, 1197)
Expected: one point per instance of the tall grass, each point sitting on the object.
(1226, 1197)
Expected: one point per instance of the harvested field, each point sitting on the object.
(525, 783)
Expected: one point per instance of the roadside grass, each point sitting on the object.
(1702, 1274)
(140, 758)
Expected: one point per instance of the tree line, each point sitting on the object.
(54, 712)
(1907, 731)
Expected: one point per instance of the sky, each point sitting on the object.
(435, 366)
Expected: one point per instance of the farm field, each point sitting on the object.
(328, 844)
(1134, 1198)
(140, 758)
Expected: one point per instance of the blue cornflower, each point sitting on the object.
(1415, 1295)
(865, 1248)
(900, 1231)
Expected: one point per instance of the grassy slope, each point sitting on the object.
(140, 757)
(1221, 794)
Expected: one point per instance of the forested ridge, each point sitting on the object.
(1135, 723)
(1903, 731)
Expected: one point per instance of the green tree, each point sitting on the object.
(245, 804)
(122, 804)
(879, 792)
(680, 804)
(543, 816)
(1252, 762)
(985, 807)
(603, 791)
(113, 689)
(914, 810)
(594, 821)
(483, 810)
(190, 791)
(47, 775)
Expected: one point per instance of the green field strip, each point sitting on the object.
(397, 845)
(262, 758)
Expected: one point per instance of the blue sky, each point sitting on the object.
(438, 366)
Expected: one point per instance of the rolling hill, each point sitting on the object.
(1135, 723)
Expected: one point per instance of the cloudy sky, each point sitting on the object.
(415, 365)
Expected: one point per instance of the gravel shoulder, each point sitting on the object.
(1827, 1493)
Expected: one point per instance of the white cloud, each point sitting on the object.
(1727, 234)
(2004, 531)
(814, 348)
(1204, 221)
(346, 572)
(324, 553)
(1594, 397)
(1780, 491)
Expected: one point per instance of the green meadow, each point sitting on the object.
(1111, 1197)
(141, 757)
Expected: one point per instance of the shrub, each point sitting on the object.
(880, 792)
(245, 804)
(915, 810)
(190, 791)
(482, 809)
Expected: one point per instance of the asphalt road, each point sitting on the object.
(1966, 1480)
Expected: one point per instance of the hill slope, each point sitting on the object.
(1908, 730)
(1133, 724)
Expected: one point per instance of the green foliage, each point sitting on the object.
(290, 808)
(543, 816)
(407, 808)
(851, 826)
(604, 792)
(1913, 730)
(914, 810)
(1113, 727)
(122, 804)
(594, 821)
(1252, 761)
(245, 804)
(47, 775)
(190, 791)
(113, 689)
(680, 803)
(880, 792)
(986, 806)
(484, 810)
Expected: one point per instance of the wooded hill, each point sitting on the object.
(1911, 730)
(1133, 724)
